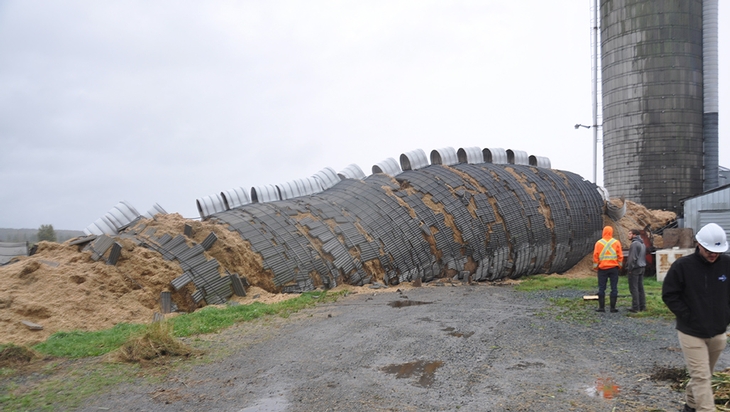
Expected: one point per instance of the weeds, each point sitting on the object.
(154, 342)
(678, 379)
(13, 355)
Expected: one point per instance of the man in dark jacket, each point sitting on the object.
(635, 266)
(697, 290)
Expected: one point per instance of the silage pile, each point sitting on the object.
(62, 288)
(638, 217)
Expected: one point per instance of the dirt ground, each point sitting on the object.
(437, 348)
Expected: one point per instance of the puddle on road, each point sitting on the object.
(426, 369)
(453, 332)
(402, 303)
(605, 388)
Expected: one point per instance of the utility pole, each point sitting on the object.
(595, 91)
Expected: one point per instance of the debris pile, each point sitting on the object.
(638, 217)
(62, 287)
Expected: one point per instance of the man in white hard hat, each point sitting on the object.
(697, 290)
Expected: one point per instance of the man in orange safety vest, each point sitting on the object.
(608, 258)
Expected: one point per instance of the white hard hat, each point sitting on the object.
(713, 238)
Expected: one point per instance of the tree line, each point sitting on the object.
(44, 232)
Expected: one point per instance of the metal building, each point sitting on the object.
(660, 141)
(710, 207)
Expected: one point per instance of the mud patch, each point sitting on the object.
(424, 369)
(404, 303)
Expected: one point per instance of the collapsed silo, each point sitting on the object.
(477, 221)
(654, 151)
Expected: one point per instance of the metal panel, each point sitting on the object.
(121, 214)
(470, 155)
(99, 246)
(209, 205)
(288, 190)
(444, 156)
(267, 193)
(710, 92)
(117, 217)
(114, 254)
(235, 198)
(539, 161)
(517, 157)
(165, 302)
(327, 178)
(719, 217)
(309, 185)
(101, 226)
(495, 155)
(181, 280)
(718, 199)
(352, 171)
(156, 209)
(9, 250)
(413, 160)
(388, 166)
(209, 240)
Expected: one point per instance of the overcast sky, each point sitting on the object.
(167, 102)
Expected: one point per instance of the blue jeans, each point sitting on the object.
(603, 276)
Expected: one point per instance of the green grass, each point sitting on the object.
(64, 387)
(211, 319)
(79, 344)
(582, 311)
(65, 391)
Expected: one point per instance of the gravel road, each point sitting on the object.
(465, 347)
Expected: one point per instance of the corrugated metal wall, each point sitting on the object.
(652, 100)
(710, 77)
(710, 207)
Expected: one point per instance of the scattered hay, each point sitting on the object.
(13, 355)
(677, 377)
(155, 342)
(721, 387)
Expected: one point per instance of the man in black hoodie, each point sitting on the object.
(697, 290)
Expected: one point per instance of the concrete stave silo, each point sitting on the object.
(653, 100)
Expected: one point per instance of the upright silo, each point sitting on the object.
(652, 78)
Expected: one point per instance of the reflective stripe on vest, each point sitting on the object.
(608, 253)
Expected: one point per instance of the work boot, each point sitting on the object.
(613, 304)
(688, 409)
(601, 304)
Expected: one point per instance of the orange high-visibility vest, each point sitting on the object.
(609, 255)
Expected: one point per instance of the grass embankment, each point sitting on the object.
(64, 386)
